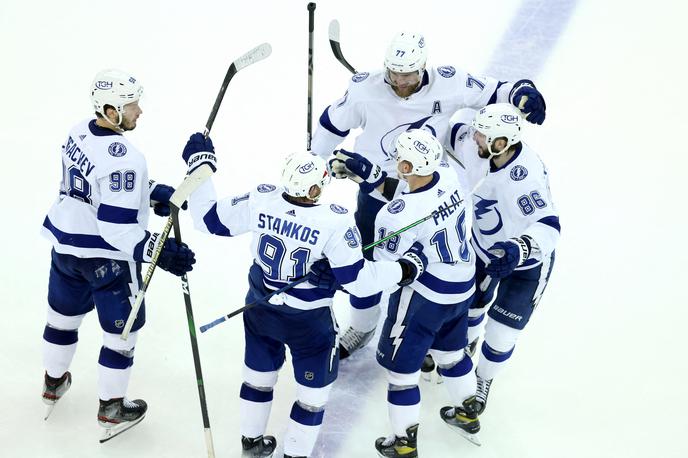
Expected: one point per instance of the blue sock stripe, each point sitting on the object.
(365, 302)
(495, 356)
(60, 337)
(475, 321)
(459, 369)
(113, 360)
(249, 393)
(409, 397)
(305, 417)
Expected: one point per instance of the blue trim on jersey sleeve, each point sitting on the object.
(117, 215)
(348, 274)
(100, 131)
(327, 124)
(138, 249)
(493, 99)
(454, 131)
(551, 221)
(213, 223)
(445, 287)
(77, 240)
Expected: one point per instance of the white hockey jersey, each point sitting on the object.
(371, 104)
(508, 202)
(450, 275)
(288, 238)
(104, 200)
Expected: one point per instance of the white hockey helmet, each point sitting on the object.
(496, 121)
(421, 149)
(301, 171)
(406, 53)
(115, 88)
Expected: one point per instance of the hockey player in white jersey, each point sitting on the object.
(291, 233)
(515, 230)
(97, 227)
(405, 95)
(432, 313)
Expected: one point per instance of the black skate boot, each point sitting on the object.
(399, 447)
(427, 368)
(54, 389)
(482, 393)
(464, 419)
(120, 414)
(353, 340)
(258, 447)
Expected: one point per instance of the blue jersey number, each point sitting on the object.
(272, 251)
(529, 202)
(441, 242)
(122, 180)
(392, 244)
(77, 186)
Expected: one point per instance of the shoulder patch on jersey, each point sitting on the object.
(358, 77)
(117, 149)
(338, 209)
(446, 71)
(266, 187)
(518, 172)
(396, 206)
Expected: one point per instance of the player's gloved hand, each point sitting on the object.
(322, 277)
(529, 100)
(199, 150)
(337, 168)
(413, 264)
(177, 259)
(507, 256)
(160, 198)
(368, 175)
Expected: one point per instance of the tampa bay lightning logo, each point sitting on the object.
(338, 209)
(446, 71)
(266, 188)
(358, 77)
(518, 172)
(396, 206)
(487, 217)
(389, 140)
(117, 149)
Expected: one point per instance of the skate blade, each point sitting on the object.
(472, 438)
(119, 429)
(49, 410)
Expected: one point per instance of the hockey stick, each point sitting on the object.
(289, 286)
(333, 32)
(192, 181)
(309, 103)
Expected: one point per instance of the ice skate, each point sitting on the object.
(353, 340)
(471, 347)
(54, 389)
(399, 447)
(258, 447)
(428, 368)
(120, 414)
(463, 419)
(482, 393)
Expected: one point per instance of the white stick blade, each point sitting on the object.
(333, 30)
(190, 184)
(257, 54)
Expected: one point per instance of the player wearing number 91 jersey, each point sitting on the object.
(291, 233)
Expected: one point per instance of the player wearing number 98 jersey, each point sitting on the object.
(291, 233)
(515, 229)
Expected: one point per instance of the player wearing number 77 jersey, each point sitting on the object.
(515, 230)
(291, 233)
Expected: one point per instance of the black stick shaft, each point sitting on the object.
(309, 103)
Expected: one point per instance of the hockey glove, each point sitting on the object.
(160, 198)
(413, 264)
(508, 255)
(198, 151)
(368, 175)
(322, 277)
(528, 99)
(175, 258)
